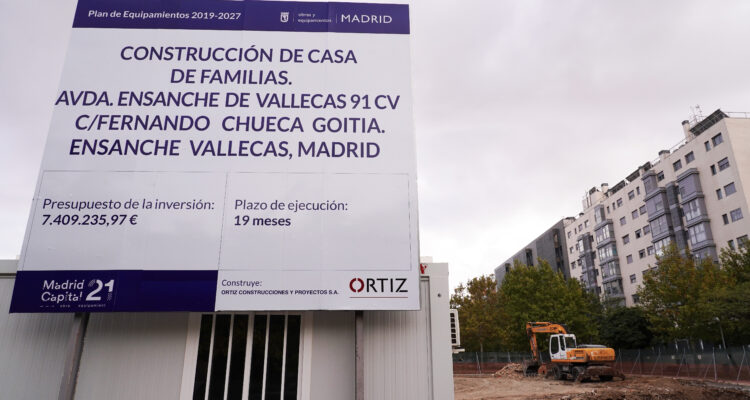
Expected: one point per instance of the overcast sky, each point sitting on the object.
(520, 106)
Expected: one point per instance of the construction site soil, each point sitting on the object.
(509, 383)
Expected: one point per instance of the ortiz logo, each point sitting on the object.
(378, 285)
(284, 16)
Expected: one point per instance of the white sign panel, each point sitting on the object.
(227, 156)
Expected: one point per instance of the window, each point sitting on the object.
(529, 257)
(647, 229)
(689, 157)
(642, 210)
(619, 202)
(611, 268)
(723, 164)
(631, 195)
(272, 341)
(571, 249)
(598, 215)
(692, 210)
(637, 233)
(569, 232)
(613, 288)
(607, 251)
(660, 176)
(713, 169)
(626, 239)
(586, 223)
(607, 209)
(622, 221)
(655, 204)
(641, 253)
(581, 245)
(729, 189)
(634, 214)
(577, 247)
(661, 245)
(677, 165)
(708, 145)
(725, 218)
(659, 225)
(636, 299)
(697, 234)
(736, 214)
(602, 234)
(650, 250)
(629, 258)
(638, 190)
(580, 227)
(742, 241)
(701, 255)
(730, 243)
(717, 140)
(718, 194)
(632, 278)
(573, 265)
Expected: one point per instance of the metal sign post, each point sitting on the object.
(73, 358)
(359, 361)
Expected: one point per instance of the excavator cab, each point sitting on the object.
(560, 344)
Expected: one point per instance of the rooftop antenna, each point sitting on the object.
(696, 113)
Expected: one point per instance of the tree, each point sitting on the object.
(732, 303)
(626, 328)
(536, 293)
(737, 262)
(478, 313)
(678, 296)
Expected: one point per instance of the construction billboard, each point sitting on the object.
(227, 155)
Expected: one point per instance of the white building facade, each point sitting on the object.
(694, 195)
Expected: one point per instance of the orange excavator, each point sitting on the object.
(580, 362)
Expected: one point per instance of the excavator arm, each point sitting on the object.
(532, 328)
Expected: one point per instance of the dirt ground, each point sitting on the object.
(510, 384)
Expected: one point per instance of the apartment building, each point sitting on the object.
(694, 195)
(549, 246)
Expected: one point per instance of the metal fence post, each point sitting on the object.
(739, 370)
(680, 366)
(658, 357)
(713, 358)
(713, 354)
(636, 361)
(481, 361)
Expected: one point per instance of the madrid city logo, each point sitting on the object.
(285, 16)
(378, 285)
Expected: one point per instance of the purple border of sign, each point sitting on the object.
(248, 15)
(132, 290)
